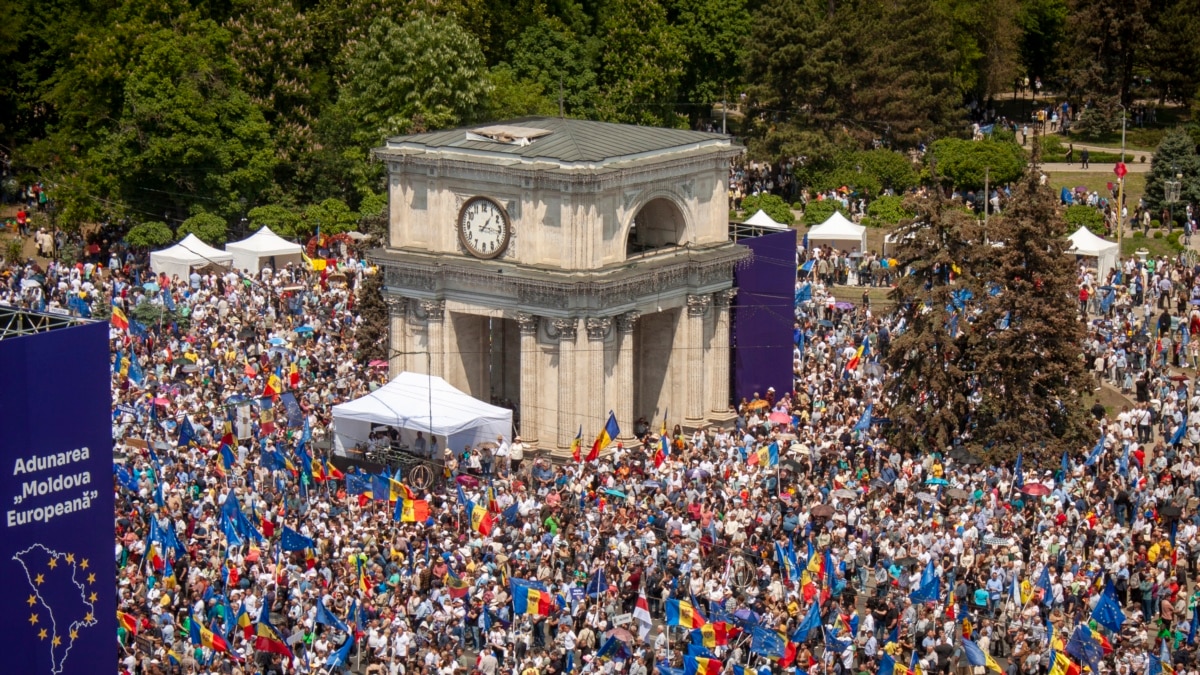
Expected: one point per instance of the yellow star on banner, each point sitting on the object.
(42, 634)
(74, 634)
(92, 578)
(53, 563)
(33, 618)
(71, 558)
(84, 563)
(39, 580)
(92, 597)
(56, 641)
(87, 618)
(32, 600)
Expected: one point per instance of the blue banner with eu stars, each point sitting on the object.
(57, 602)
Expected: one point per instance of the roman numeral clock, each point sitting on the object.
(483, 228)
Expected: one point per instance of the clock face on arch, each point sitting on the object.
(483, 227)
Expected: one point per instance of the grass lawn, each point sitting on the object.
(1135, 183)
(1156, 247)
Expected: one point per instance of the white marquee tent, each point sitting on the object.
(761, 219)
(405, 403)
(263, 247)
(1084, 243)
(840, 233)
(182, 257)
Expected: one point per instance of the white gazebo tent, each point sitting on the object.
(761, 219)
(182, 257)
(414, 402)
(263, 247)
(840, 233)
(1084, 243)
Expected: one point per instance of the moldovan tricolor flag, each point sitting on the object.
(610, 431)
(641, 613)
(530, 600)
(577, 445)
(682, 613)
(481, 520)
(273, 387)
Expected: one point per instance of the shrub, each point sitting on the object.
(1139, 235)
(887, 210)
(818, 212)
(1156, 223)
(773, 205)
(1081, 215)
(797, 206)
(1158, 234)
(209, 227)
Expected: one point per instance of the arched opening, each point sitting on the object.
(659, 224)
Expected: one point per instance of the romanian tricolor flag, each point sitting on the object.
(128, 622)
(481, 520)
(318, 470)
(244, 622)
(363, 584)
(682, 613)
(857, 358)
(173, 658)
(699, 665)
(118, 319)
(268, 639)
(293, 376)
(455, 585)
(331, 471)
(606, 436)
(399, 490)
(1101, 640)
(532, 601)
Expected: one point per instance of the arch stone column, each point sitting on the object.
(697, 307)
(435, 317)
(567, 330)
(718, 363)
(623, 373)
(397, 333)
(530, 372)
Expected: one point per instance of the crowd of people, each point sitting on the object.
(799, 539)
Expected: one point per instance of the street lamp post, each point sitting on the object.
(1121, 185)
(1171, 195)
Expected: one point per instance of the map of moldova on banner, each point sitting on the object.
(58, 601)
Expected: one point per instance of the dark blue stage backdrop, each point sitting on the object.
(57, 599)
(763, 316)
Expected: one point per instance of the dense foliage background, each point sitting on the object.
(263, 112)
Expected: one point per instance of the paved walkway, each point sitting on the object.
(1094, 167)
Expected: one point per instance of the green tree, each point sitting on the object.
(1172, 54)
(513, 96)
(772, 205)
(712, 33)
(425, 74)
(1103, 42)
(274, 46)
(209, 227)
(639, 70)
(1175, 159)
(283, 221)
(560, 60)
(1043, 25)
(188, 135)
(371, 334)
(985, 35)
(151, 234)
(966, 164)
(1026, 349)
(332, 216)
(930, 359)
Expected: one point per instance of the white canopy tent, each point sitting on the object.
(263, 247)
(182, 257)
(761, 219)
(840, 233)
(414, 402)
(1084, 243)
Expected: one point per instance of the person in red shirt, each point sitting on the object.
(23, 221)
